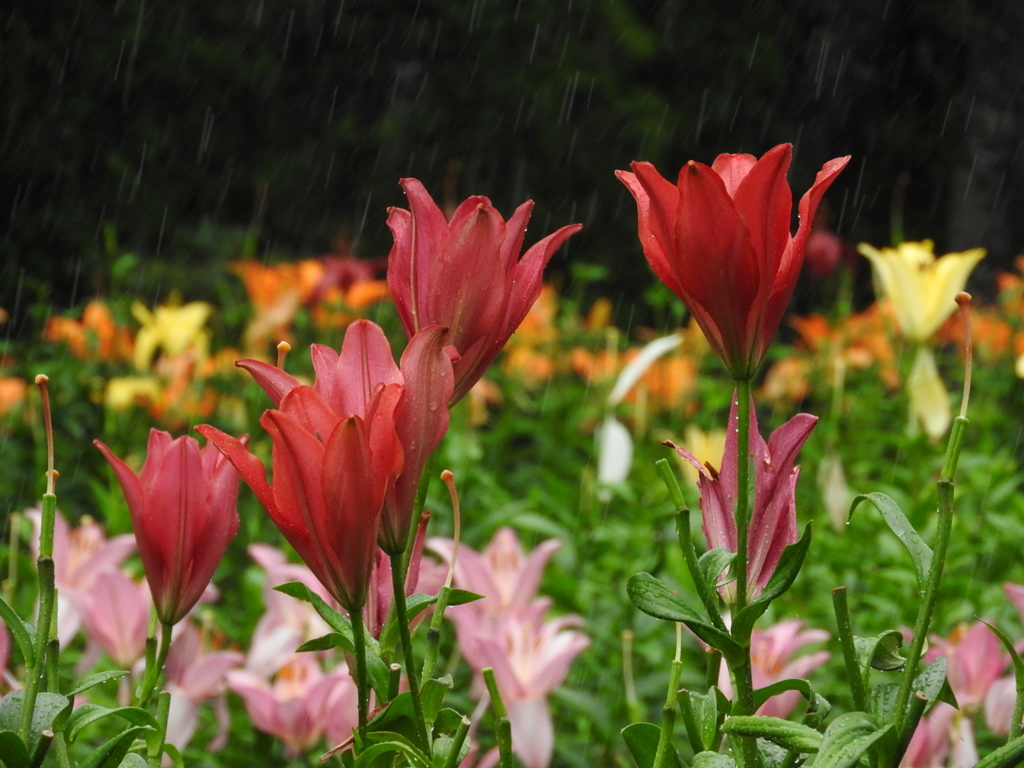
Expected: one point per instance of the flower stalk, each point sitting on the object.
(36, 673)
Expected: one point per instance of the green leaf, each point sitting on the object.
(23, 633)
(172, 752)
(787, 734)
(920, 552)
(847, 739)
(702, 718)
(415, 605)
(781, 580)
(393, 743)
(655, 599)
(337, 621)
(1018, 664)
(879, 652)
(134, 760)
(432, 697)
(712, 760)
(86, 714)
(328, 642)
(447, 721)
(818, 707)
(98, 678)
(110, 754)
(642, 740)
(47, 713)
(713, 562)
(13, 753)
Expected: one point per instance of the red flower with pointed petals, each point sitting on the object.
(466, 274)
(347, 382)
(331, 476)
(720, 239)
(184, 512)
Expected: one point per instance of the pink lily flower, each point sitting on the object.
(506, 576)
(116, 613)
(301, 704)
(347, 384)
(930, 745)
(974, 661)
(773, 520)
(772, 659)
(80, 555)
(286, 623)
(196, 675)
(184, 511)
(465, 274)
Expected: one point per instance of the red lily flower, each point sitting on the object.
(184, 511)
(773, 521)
(347, 382)
(466, 274)
(331, 474)
(720, 239)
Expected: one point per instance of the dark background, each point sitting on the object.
(172, 130)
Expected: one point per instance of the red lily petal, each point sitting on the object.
(422, 422)
(716, 263)
(656, 200)
(732, 169)
(275, 382)
(765, 203)
(364, 364)
(354, 498)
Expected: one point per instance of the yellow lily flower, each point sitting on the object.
(173, 328)
(922, 291)
(921, 287)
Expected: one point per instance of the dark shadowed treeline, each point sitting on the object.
(175, 130)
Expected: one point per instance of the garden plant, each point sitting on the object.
(484, 546)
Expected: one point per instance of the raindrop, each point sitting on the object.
(970, 175)
(533, 47)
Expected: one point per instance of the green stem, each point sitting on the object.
(152, 673)
(434, 635)
(668, 712)
(743, 500)
(47, 602)
(502, 726)
(362, 685)
(398, 586)
(705, 591)
(742, 675)
(927, 609)
(459, 739)
(845, 630)
(156, 746)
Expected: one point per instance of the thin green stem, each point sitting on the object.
(156, 746)
(705, 591)
(502, 726)
(743, 683)
(927, 609)
(845, 631)
(398, 586)
(743, 500)
(47, 606)
(152, 674)
(434, 635)
(362, 684)
(668, 712)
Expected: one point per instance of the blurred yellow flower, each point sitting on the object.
(922, 291)
(124, 392)
(705, 446)
(174, 329)
(921, 287)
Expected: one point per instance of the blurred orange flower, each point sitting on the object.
(95, 337)
(530, 352)
(276, 292)
(12, 393)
